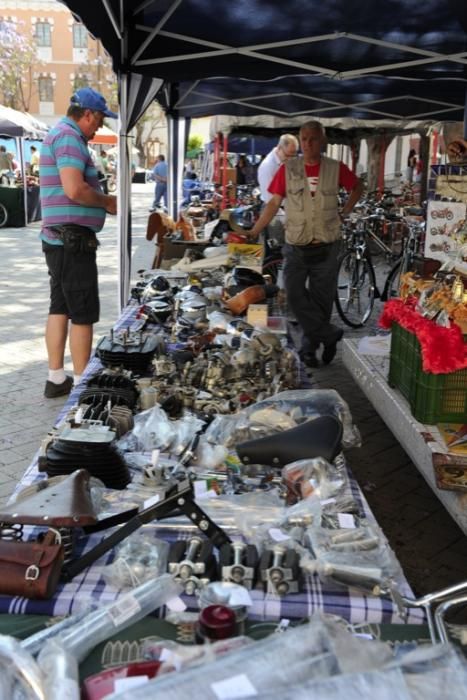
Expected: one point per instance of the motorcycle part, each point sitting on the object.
(320, 437)
(280, 570)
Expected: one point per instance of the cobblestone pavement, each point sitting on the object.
(429, 545)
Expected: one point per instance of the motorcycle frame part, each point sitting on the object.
(180, 498)
(279, 570)
(192, 563)
(242, 566)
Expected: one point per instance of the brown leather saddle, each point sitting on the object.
(57, 502)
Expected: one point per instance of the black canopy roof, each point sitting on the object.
(362, 59)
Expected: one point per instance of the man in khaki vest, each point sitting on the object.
(310, 186)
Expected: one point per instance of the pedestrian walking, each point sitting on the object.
(310, 185)
(73, 211)
(160, 174)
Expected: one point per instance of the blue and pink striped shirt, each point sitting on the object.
(66, 147)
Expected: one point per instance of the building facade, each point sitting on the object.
(67, 57)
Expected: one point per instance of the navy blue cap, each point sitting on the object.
(87, 98)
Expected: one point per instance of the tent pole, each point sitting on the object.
(434, 148)
(382, 167)
(124, 194)
(224, 173)
(22, 167)
(216, 159)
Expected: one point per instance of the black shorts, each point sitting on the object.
(74, 288)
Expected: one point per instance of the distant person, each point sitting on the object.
(190, 187)
(246, 172)
(73, 211)
(418, 171)
(241, 166)
(160, 173)
(34, 161)
(6, 163)
(287, 147)
(411, 163)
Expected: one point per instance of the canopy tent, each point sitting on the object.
(21, 125)
(304, 58)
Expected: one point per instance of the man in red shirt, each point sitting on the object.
(310, 185)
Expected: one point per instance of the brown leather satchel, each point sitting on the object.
(31, 569)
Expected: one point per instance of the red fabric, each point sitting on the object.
(443, 349)
(347, 179)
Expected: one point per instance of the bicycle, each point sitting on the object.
(3, 215)
(356, 279)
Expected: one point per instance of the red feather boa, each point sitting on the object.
(443, 349)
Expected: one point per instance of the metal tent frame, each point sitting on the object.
(395, 60)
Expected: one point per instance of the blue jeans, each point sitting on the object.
(160, 192)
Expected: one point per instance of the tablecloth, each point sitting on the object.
(89, 588)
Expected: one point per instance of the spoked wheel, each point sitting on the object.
(272, 267)
(3, 215)
(356, 285)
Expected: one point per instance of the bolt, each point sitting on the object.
(203, 525)
(194, 543)
(181, 501)
(238, 572)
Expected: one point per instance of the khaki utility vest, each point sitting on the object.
(312, 218)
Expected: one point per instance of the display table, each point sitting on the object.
(90, 587)
(423, 443)
(13, 199)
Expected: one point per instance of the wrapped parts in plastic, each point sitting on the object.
(269, 665)
(154, 431)
(297, 406)
(60, 672)
(177, 657)
(355, 557)
(314, 476)
(130, 607)
(137, 559)
(321, 659)
(20, 676)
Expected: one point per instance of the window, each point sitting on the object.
(80, 37)
(46, 89)
(43, 34)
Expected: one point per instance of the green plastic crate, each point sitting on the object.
(433, 398)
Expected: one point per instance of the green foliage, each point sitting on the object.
(195, 142)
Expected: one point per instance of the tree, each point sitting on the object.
(195, 142)
(18, 58)
(98, 73)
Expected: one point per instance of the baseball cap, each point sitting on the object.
(87, 98)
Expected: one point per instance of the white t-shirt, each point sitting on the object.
(266, 171)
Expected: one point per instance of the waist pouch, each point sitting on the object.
(76, 238)
(31, 569)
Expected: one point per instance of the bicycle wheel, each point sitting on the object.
(355, 294)
(3, 215)
(393, 280)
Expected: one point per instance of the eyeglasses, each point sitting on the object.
(99, 117)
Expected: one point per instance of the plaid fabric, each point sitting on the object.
(90, 589)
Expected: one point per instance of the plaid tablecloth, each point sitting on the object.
(90, 589)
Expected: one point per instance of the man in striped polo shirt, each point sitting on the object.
(73, 211)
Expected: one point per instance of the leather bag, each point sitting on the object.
(31, 569)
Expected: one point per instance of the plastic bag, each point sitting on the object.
(297, 405)
(137, 559)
